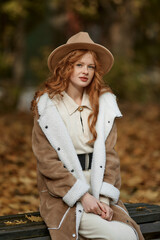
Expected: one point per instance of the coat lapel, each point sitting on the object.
(98, 163)
(56, 132)
(108, 110)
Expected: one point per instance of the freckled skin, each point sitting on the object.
(83, 72)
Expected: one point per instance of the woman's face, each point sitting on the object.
(83, 72)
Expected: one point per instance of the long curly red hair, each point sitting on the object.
(59, 80)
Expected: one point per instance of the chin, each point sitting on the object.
(84, 84)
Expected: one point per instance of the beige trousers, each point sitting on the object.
(93, 226)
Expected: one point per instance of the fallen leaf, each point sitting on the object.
(34, 218)
(15, 222)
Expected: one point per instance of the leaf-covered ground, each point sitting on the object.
(138, 147)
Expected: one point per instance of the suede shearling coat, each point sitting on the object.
(61, 181)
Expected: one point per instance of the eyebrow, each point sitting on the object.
(87, 64)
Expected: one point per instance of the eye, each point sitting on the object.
(91, 67)
(79, 65)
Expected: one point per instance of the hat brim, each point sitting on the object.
(105, 57)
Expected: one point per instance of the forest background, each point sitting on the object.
(29, 31)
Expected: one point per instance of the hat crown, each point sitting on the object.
(81, 37)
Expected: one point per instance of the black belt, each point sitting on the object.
(84, 164)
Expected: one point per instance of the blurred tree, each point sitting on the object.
(147, 38)
(129, 28)
(17, 18)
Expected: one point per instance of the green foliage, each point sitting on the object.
(86, 8)
(147, 38)
(133, 82)
(135, 75)
(39, 65)
(17, 19)
(15, 9)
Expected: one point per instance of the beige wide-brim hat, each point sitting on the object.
(81, 40)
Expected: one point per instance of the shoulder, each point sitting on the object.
(109, 101)
(108, 96)
(44, 102)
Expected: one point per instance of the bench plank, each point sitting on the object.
(39, 238)
(151, 230)
(143, 213)
(21, 226)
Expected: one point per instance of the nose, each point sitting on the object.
(85, 69)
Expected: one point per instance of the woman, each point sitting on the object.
(73, 140)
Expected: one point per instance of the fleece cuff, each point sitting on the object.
(76, 192)
(108, 190)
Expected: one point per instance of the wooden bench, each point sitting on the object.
(30, 226)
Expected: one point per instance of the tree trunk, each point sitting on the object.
(19, 49)
(121, 34)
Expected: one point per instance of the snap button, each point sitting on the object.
(58, 149)
(100, 166)
(72, 170)
(73, 235)
(46, 126)
(108, 121)
(79, 210)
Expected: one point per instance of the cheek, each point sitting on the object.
(92, 75)
(72, 76)
(74, 73)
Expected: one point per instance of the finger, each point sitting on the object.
(103, 215)
(107, 214)
(98, 210)
(95, 209)
(101, 206)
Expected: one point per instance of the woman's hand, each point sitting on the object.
(107, 213)
(92, 205)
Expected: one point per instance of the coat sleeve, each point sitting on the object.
(58, 180)
(112, 179)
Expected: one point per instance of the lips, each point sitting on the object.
(84, 79)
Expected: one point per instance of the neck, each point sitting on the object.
(75, 94)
